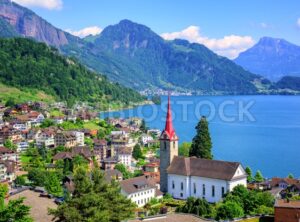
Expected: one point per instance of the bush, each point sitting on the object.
(229, 210)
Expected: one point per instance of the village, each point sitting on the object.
(42, 144)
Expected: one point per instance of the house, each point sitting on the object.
(145, 139)
(83, 151)
(9, 133)
(46, 138)
(140, 190)
(7, 170)
(109, 163)
(101, 149)
(113, 174)
(58, 119)
(23, 145)
(66, 139)
(194, 177)
(79, 137)
(283, 182)
(151, 170)
(124, 156)
(7, 154)
(23, 108)
(287, 211)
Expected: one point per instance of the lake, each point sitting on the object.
(262, 132)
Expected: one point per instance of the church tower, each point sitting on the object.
(168, 149)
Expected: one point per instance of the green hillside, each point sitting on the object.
(27, 64)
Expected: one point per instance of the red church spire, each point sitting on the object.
(169, 125)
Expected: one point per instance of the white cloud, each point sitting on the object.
(298, 22)
(229, 46)
(93, 30)
(48, 4)
(264, 25)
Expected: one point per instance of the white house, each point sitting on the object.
(21, 146)
(125, 156)
(79, 137)
(140, 190)
(145, 139)
(201, 178)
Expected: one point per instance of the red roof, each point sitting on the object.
(169, 124)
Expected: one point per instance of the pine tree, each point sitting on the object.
(201, 145)
(258, 177)
(249, 173)
(94, 200)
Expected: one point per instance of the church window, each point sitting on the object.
(165, 145)
(223, 191)
(195, 188)
(213, 191)
(181, 185)
(181, 194)
(174, 144)
(203, 189)
(173, 185)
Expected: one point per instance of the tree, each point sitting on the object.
(47, 123)
(249, 173)
(122, 168)
(201, 145)
(143, 126)
(53, 185)
(229, 210)
(258, 177)
(184, 149)
(20, 181)
(10, 145)
(10, 102)
(94, 200)
(291, 176)
(137, 152)
(196, 206)
(15, 210)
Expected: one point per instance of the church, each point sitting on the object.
(184, 177)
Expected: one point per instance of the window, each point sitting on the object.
(181, 185)
(181, 194)
(173, 185)
(174, 144)
(223, 191)
(203, 189)
(195, 189)
(213, 191)
(165, 145)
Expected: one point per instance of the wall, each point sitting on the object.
(287, 215)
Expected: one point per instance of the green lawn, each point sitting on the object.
(56, 113)
(25, 159)
(91, 125)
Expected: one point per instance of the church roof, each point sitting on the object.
(192, 166)
(169, 130)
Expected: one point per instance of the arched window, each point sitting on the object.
(195, 188)
(203, 189)
(173, 185)
(181, 185)
(213, 191)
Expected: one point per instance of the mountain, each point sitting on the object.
(135, 56)
(26, 23)
(272, 58)
(26, 64)
(289, 82)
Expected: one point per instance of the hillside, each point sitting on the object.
(24, 95)
(135, 56)
(272, 58)
(31, 65)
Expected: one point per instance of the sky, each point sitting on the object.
(227, 27)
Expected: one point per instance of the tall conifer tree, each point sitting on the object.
(201, 145)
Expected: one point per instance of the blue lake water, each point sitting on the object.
(262, 132)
